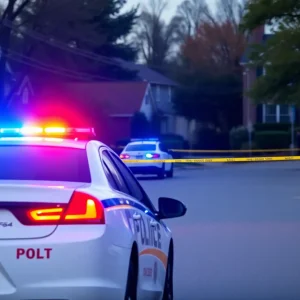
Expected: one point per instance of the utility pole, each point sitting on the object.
(249, 123)
(292, 119)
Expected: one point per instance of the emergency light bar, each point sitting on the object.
(145, 140)
(46, 132)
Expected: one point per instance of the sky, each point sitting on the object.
(171, 8)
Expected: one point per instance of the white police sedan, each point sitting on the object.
(75, 224)
(148, 150)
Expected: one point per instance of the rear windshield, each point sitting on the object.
(44, 163)
(141, 147)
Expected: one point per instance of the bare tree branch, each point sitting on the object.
(19, 9)
(190, 14)
(155, 37)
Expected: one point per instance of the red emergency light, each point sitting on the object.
(51, 131)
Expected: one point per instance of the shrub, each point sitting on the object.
(238, 137)
(173, 141)
(272, 139)
(210, 139)
(246, 146)
(206, 139)
(140, 126)
(272, 127)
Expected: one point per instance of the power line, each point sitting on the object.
(78, 74)
(48, 68)
(16, 59)
(60, 45)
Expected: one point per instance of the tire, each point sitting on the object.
(162, 172)
(168, 288)
(170, 173)
(132, 279)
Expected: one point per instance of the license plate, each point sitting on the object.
(139, 157)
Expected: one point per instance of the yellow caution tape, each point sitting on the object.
(225, 151)
(235, 151)
(215, 160)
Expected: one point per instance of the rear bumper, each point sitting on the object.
(82, 265)
(143, 170)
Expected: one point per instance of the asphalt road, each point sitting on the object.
(240, 239)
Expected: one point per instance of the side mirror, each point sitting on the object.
(170, 208)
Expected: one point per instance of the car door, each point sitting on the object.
(154, 235)
(134, 215)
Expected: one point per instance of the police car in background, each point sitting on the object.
(75, 224)
(148, 149)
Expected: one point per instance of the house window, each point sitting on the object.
(273, 113)
(157, 93)
(147, 99)
(170, 94)
(25, 96)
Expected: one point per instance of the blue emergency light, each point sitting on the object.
(34, 131)
(145, 140)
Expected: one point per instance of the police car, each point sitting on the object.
(75, 224)
(148, 150)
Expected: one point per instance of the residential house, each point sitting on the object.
(162, 90)
(262, 113)
(20, 94)
(107, 106)
(111, 103)
(116, 102)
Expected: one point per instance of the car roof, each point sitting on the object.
(50, 142)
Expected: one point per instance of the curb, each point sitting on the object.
(188, 165)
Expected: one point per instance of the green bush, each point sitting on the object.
(238, 137)
(272, 127)
(173, 141)
(211, 139)
(247, 146)
(272, 139)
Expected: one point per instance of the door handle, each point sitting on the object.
(153, 223)
(136, 216)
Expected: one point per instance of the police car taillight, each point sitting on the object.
(124, 156)
(82, 209)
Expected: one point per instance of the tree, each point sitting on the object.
(90, 27)
(189, 15)
(211, 99)
(155, 39)
(211, 72)
(215, 46)
(10, 12)
(279, 55)
(75, 39)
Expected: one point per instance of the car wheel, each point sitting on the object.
(168, 289)
(171, 172)
(132, 280)
(161, 172)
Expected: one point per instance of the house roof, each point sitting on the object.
(115, 98)
(147, 74)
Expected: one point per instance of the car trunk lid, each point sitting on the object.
(17, 197)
